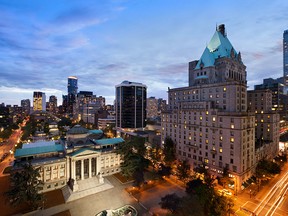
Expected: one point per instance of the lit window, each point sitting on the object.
(232, 139)
(232, 125)
(214, 119)
(224, 89)
(220, 150)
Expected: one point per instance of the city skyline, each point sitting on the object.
(106, 42)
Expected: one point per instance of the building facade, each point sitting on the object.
(208, 120)
(25, 104)
(267, 124)
(152, 107)
(130, 105)
(39, 101)
(52, 104)
(72, 93)
(285, 59)
(81, 156)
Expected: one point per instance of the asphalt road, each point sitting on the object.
(270, 200)
(7, 147)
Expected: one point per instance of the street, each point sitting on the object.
(270, 200)
(7, 147)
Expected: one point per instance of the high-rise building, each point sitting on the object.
(25, 104)
(152, 107)
(266, 123)
(72, 92)
(285, 59)
(52, 105)
(5, 118)
(39, 101)
(130, 105)
(208, 120)
(72, 85)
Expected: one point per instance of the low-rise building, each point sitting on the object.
(81, 156)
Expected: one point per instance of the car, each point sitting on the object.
(227, 192)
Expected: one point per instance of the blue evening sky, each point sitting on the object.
(104, 42)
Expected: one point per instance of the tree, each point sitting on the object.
(164, 170)
(170, 202)
(225, 177)
(183, 170)
(212, 203)
(169, 151)
(25, 186)
(133, 160)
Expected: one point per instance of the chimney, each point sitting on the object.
(221, 29)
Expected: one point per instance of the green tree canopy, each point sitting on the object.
(133, 160)
(212, 203)
(170, 202)
(169, 151)
(183, 170)
(25, 187)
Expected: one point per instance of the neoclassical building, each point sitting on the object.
(81, 156)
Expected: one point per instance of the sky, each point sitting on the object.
(104, 42)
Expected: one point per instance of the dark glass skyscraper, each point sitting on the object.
(72, 85)
(285, 59)
(72, 93)
(131, 105)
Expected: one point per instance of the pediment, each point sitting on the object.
(84, 152)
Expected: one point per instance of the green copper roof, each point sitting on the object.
(219, 46)
(95, 131)
(111, 141)
(38, 150)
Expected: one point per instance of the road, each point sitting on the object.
(8, 147)
(272, 199)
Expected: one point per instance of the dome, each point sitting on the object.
(78, 129)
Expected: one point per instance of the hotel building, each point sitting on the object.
(208, 120)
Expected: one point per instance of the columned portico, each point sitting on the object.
(84, 165)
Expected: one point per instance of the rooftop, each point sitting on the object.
(219, 46)
(78, 129)
(95, 131)
(111, 141)
(38, 150)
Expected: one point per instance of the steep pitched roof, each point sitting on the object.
(219, 46)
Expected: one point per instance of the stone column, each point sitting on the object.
(82, 169)
(90, 167)
(58, 173)
(44, 174)
(73, 176)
